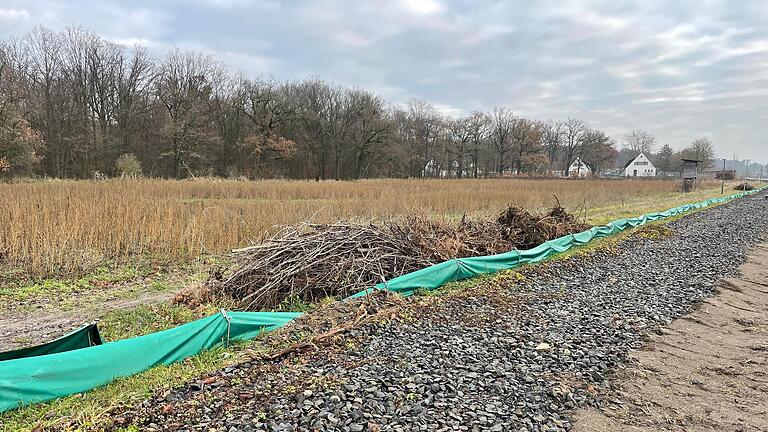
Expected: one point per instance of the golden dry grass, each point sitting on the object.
(54, 227)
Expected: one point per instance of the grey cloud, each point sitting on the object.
(678, 69)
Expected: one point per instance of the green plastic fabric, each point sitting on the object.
(84, 337)
(36, 379)
(438, 275)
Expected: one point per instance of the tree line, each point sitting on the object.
(74, 105)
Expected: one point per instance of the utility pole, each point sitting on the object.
(722, 177)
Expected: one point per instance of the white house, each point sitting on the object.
(640, 166)
(431, 169)
(579, 169)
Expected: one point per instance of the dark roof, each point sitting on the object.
(588, 165)
(632, 160)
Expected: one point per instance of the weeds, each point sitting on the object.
(105, 283)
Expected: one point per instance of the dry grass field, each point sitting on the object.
(65, 227)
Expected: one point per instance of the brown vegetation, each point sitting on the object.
(744, 186)
(310, 262)
(64, 226)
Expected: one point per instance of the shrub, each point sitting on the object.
(128, 165)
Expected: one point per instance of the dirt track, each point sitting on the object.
(707, 371)
(25, 328)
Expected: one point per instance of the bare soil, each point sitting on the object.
(25, 328)
(707, 371)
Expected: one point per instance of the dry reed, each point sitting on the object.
(55, 227)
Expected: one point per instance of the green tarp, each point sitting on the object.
(36, 379)
(83, 337)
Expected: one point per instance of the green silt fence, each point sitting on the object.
(49, 374)
(36, 379)
(83, 337)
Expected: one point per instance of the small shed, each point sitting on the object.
(690, 172)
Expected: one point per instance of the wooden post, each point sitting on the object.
(722, 185)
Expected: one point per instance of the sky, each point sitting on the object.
(679, 69)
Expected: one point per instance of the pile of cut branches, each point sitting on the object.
(744, 187)
(443, 241)
(514, 228)
(309, 262)
(531, 230)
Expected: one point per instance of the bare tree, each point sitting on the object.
(460, 135)
(19, 144)
(639, 141)
(91, 69)
(135, 75)
(701, 149)
(598, 150)
(369, 127)
(502, 125)
(425, 128)
(526, 140)
(573, 136)
(43, 67)
(318, 109)
(478, 125)
(184, 87)
(266, 110)
(552, 139)
(10, 94)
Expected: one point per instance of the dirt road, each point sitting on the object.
(707, 371)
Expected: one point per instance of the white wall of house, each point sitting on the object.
(641, 166)
(579, 169)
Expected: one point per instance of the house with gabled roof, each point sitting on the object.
(579, 169)
(640, 166)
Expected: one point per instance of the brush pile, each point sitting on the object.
(514, 228)
(308, 262)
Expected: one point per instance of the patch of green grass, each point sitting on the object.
(654, 232)
(296, 304)
(45, 288)
(143, 319)
(106, 283)
(23, 340)
(634, 207)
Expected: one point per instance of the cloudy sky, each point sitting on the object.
(679, 69)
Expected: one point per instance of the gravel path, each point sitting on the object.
(505, 355)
